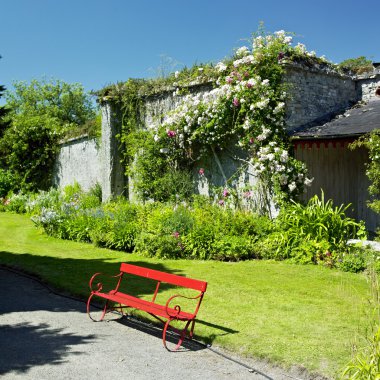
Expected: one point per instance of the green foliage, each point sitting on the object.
(40, 114)
(6, 182)
(354, 261)
(366, 364)
(372, 143)
(28, 149)
(357, 65)
(56, 99)
(313, 233)
(4, 123)
(17, 202)
(155, 176)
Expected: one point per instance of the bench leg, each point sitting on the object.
(103, 313)
(182, 334)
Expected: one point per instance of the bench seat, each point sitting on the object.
(148, 306)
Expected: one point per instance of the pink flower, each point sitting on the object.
(229, 80)
(171, 133)
(236, 102)
(201, 171)
(176, 234)
(221, 202)
(225, 193)
(251, 140)
(248, 194)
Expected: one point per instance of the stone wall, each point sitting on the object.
(316, 94)
(78, 161)
(368, 84)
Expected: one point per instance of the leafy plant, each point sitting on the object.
(372, 143)
(357, 65)
(6, 182)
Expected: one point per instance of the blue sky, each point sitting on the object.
(96, 42)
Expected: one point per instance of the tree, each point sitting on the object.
(4, 123)
(40, 114)
(68, 103)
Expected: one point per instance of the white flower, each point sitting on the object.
(279, 107)
(309, 181)
(176, 74)
(292, 186)
(242, 51)
(156, 138)
(284, 156)
(221, 67)
(280, 33)
(262, 104)
(164, 150)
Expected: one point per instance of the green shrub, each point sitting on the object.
(315, 232)
(354, 261)
(233, 248)
(17, 202)
(163, 246)
(6, 182)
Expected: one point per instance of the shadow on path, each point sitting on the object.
(25, 345)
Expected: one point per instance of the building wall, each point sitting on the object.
(367, 86)
(78, 161)
(340, 173)
(316, 94)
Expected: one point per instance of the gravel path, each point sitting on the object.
(47, 336)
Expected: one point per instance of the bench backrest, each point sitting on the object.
(164, 277)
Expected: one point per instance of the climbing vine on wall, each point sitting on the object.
(246, 106)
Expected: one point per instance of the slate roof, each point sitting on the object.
(356, 121)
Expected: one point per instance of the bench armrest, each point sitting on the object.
(177, 308)
(99, 285)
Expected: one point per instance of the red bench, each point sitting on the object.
(165, 312)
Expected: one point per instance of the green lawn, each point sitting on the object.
(289, 314)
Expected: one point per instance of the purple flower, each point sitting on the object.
(171, 133)
(280, 56)
(236, 102)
